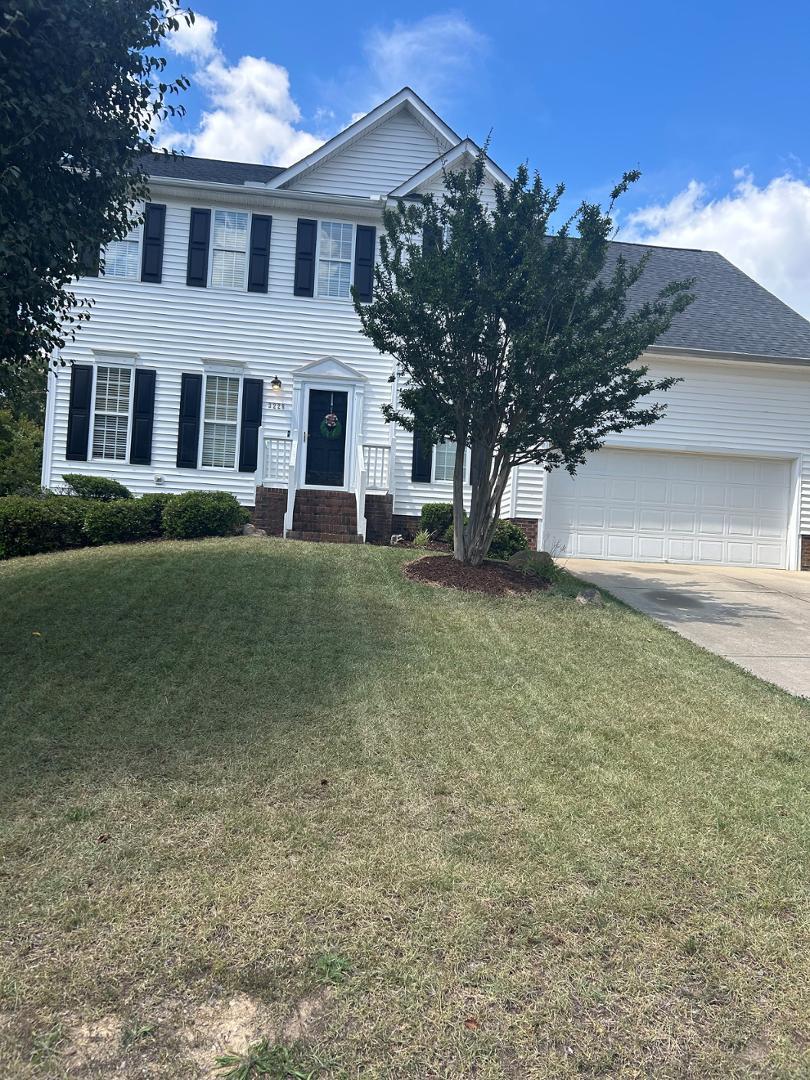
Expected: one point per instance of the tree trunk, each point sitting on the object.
(488, 480)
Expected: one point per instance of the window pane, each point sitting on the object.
(221, 398)
(336, 240)
(112, 390)
(228, 269)
(219, 445)
(230, 229)
(111, 413)
(121, 259)
(334, 278)
(110, 437)
(445, 461)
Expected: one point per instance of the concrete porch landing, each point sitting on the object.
(759, 619)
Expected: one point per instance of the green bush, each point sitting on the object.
(203, 513)
(30, 525)
(537, 563)
(156, 501)
(507, 540)
(96, 487)
(119, 521)
(436, 518)
(20, 454)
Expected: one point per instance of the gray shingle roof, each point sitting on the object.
(207, 170)
(731, 313)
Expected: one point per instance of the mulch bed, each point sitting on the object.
(493, 578)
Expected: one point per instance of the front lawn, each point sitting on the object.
(264, 789)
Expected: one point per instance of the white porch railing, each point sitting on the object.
(360, 481)
(292, 483)
(276, 461)
(376, 457)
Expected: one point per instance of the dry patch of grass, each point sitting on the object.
(274, 795)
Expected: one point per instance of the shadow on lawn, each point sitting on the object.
(165, 657)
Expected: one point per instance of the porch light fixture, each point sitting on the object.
(275, 383)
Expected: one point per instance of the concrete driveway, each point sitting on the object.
(759, 619)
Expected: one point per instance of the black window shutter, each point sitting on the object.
(81, 395)
(154, 224)
(252, 393)
(305, 241)
(431, 238)
(188, 429)
(199, 231)
(259, 261)
(89, 261)
(364, 246)
(422, 459)
(143, 416)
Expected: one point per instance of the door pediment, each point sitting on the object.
(328, 367)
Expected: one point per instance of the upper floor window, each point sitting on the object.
(220, 421)
(111, 412)
(229, 249)
(444, 460)
(335, 259)
(122, 257)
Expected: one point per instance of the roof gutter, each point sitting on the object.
(715, 354)
(257, 192)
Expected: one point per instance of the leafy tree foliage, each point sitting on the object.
(513, 341)
(20, 454)
(82, 88)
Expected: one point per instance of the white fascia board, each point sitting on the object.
(676, 352)
(405, 98)
(259, 196)
(465, 148)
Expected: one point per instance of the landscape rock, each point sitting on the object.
(396, 538)
(251, 530)
(590, 596)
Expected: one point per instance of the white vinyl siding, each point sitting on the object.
(220, 421)
(335, 259)
(444, 460)
(229, 249)
(111, 413)
(122, 257)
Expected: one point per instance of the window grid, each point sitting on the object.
(229, 254)
(121, 259)
(111, 413)
(220, 421)
(445, 460)
(335, 259)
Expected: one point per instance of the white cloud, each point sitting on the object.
(763, 230)
(252, 114)
(434, 56)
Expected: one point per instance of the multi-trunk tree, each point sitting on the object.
(517, 343)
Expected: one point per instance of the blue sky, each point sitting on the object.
(709, 99)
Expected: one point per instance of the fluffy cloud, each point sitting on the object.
(434, 56)
(765, 230)
(252, 114)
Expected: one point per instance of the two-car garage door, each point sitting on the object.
(650, 506)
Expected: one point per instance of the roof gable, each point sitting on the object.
(376, 153)
(462, 155)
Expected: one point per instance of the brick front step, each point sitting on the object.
(330, 514)
(325, 537)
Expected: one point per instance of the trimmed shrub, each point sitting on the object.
(31, 525)
(507, 540)
(96, 487)
(537, 563)
(156, 502)
(436, 518)
(119, 521)
(203, 513)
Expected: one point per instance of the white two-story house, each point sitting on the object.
(223, 352)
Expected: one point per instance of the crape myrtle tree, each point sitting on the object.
(512, 341)
(83, 89)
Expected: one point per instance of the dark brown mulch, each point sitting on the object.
(494, 578)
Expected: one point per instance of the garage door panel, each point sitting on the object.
(655, 506)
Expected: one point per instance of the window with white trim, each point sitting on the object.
(444, 460)
(122, 257)
(335, 259)
(220, 421)
(111, 412)
(229, 249)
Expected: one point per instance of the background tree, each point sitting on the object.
(82, 89)
(513, 342)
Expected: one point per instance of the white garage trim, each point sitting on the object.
(657, 505)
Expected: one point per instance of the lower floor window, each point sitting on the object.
(220, 420)
(445, 461)
(111, 413)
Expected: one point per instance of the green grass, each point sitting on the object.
(405, 831)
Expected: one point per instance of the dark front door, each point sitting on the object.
(326, 437)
